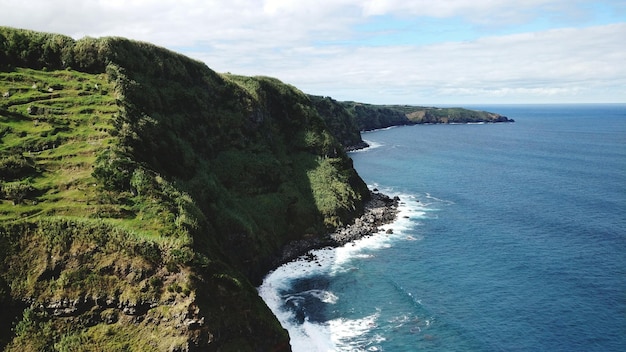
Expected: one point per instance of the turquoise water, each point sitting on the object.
(512, 237)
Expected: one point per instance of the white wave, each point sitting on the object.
(335, 335)
(371, 145)
(311, 337)
(293, 299)
(350, 334)
(379, 129)
(323, 296)
(356, 249)
(340, 334)
(429, 196)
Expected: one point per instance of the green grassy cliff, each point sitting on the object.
(347, 119)
(142, 196)
(371, 117)
(342, 123)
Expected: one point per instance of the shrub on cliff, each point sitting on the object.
(15, 166)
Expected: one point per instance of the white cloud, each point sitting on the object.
(280, 22)
(564, 63)
(281, 38)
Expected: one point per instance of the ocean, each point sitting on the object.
(510, 237)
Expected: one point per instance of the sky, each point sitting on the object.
(422, 52)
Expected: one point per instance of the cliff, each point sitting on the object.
(347, 119)
(371, 117)
(342, 123)
(143, 195)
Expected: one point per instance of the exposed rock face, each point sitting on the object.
(379, 210)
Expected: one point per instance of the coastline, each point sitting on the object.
(379, 210)
(318, 256)
(359, 146)
(364, 145)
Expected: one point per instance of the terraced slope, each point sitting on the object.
(82, 269)
(53, 126)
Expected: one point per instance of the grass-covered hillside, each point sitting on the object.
(371, 117)
(420, 114)
(142, 195)
(53, 124)
(341, 122)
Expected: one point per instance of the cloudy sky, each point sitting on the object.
(377, 51)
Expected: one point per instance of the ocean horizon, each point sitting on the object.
(510, 237)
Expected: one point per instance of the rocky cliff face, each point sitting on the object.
(147, 195)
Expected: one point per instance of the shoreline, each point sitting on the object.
(379, 210)
(313, 256)
(364, 145)
(359, 146)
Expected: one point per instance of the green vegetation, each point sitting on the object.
(370, 117)
(54, 124)
(418, 114)
(142, 195)
(339, 120)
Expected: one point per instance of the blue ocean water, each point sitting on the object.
(511, 237)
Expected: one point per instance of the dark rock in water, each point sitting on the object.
(389, 231)
(358, 146)
(379, 210)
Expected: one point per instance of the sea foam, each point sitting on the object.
(371, 145)
(341, 333)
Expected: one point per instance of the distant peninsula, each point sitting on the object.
(143, 196)
(346, 119)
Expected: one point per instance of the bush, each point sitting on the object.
(16, 191)
(14, 166)
(113, 171)
(141, 182)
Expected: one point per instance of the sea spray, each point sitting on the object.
(301, 309)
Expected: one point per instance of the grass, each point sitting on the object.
(65, 237)
(58, 121)
(331, 190)
(118, 335)
(59, 140)
(109, 187)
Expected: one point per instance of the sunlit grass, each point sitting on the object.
(58, 120)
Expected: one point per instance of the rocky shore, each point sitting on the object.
(358, 146)
(379, 210)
